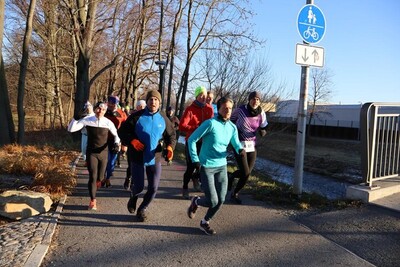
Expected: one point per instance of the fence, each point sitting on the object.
(380, 141)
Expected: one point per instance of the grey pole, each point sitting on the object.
(162, 65)
(301, 128)
(301, 132)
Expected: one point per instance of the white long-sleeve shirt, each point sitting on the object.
(97, 130)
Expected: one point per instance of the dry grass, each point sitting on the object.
(39, 167)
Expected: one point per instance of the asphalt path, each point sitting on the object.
(252, 234)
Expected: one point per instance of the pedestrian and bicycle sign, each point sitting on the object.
(311, 24)
(307, 55)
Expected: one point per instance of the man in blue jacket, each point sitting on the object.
(147, 133)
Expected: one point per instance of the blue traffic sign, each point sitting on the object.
(311, 24)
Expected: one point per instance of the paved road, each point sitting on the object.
(252, 234)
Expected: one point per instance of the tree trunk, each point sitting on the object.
(82, 82)
(137, 61)
(22, 74)
(7, 134)
(171, 54)
(83, 22)
(7, 131)
(47, 118)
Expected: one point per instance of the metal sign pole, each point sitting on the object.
(301, 129)
(301, 132)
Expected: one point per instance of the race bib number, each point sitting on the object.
(248, 146)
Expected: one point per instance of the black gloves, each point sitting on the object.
(196, 165)
(115, 148)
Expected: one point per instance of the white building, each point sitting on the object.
(325, 114)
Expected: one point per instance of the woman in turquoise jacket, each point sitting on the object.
(217, 133)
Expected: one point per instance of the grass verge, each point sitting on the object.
(262, 187)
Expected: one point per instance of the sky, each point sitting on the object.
(361, 46)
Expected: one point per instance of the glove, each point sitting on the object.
(196, 165)
(137, 145)
(115, 148)
(169, 153)
(242, 152)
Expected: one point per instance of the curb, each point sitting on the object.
(40, 250)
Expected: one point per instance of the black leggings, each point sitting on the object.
(97, 164)
(189, 173)
(246, 165)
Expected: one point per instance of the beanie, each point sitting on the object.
(113, 99)
(199, 90)
(253, 95)
(153, 93)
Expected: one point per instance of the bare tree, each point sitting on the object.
(212, 20)
(320, 91)
(7, 134)
(236, 75)
(76, 42)
(172, 49)
(22, 74)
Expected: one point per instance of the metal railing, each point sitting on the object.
(380, 141)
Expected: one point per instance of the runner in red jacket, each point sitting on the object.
(193, 116)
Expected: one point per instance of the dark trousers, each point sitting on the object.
(153, 173)
(191, 172)
(245, 166)
(97, 164)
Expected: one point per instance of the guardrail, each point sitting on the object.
(380, 141)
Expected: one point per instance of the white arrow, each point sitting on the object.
(316, 55)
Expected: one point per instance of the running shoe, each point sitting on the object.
(205, 227)
(92, 205)
(132, 204)
(193, 207)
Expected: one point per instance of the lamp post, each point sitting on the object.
(161, 65)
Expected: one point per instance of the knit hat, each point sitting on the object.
(113, 99)
(254, 94)
(153, 93)
(199, 90)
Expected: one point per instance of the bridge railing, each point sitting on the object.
(380, 141)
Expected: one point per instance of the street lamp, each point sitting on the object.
(161, 65)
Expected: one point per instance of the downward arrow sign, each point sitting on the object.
(305, 57)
